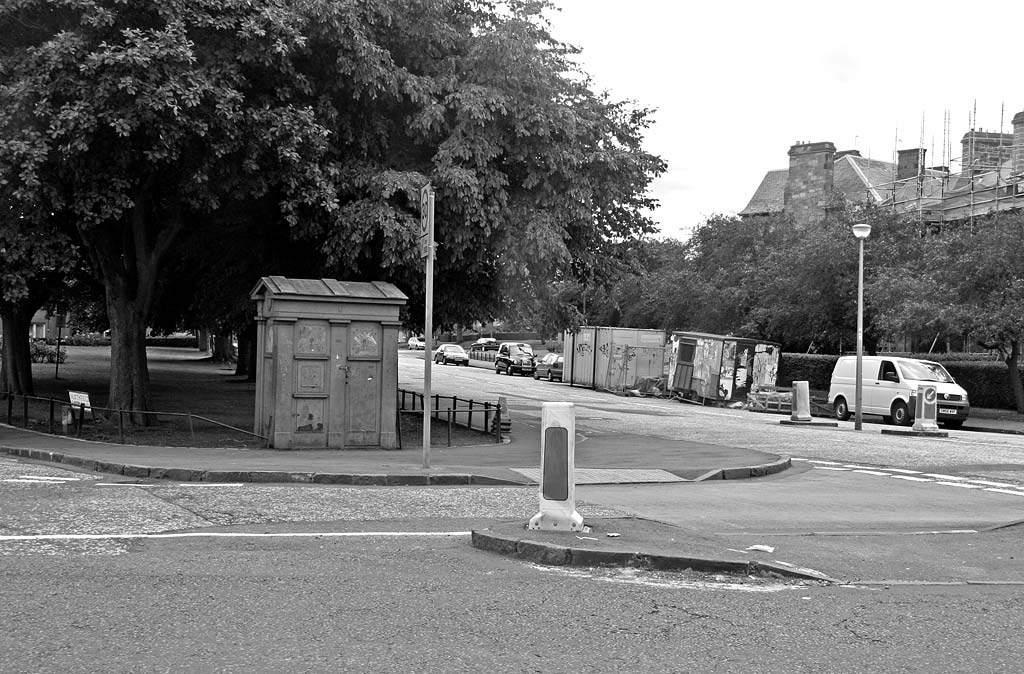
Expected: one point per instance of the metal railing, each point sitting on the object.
(50, 414)
(483, 416)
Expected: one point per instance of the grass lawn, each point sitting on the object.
(183, 381)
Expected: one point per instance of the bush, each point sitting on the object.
(84, 339)
(41, 352)
(813, 368)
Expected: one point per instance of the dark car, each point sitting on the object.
(550, 367)
(484, 344)
(514, 357)
(451, 353)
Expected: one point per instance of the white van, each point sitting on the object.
(889, 389)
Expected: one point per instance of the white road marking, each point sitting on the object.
(962, 485)
(237, 534)
(50, 478)
(912, 476)
(27, 481)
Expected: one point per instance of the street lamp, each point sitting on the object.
(861, 231)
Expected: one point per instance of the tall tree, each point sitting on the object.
(140, 118)
(967, 277)
(537, 178)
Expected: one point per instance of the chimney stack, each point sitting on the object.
(809, 186)
(1018, 143)
(909, 163)
(984, 151)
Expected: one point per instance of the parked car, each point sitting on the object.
(889, 389)
(550, 367)
(416, 343)
(514, 357)
(451, 353)
(484, 344)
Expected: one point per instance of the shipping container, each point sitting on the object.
(616, 359)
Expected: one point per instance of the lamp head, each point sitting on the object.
(861, 231)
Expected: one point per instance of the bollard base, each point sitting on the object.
(548, 521)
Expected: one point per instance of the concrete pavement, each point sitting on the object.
(606, 459)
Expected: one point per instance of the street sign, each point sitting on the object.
(425, 236)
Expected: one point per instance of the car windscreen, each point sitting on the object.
(518, 351)
(926, 371)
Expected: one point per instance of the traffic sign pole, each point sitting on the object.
(427, 251)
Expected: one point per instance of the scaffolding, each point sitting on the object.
(990, 179)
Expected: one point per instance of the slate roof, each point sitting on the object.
(769, 197)
(857, 178)
(326, 287)
(860, 178)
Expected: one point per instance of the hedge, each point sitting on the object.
(986, 381)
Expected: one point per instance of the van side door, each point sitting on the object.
(883, 388)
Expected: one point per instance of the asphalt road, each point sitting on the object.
(105, 577)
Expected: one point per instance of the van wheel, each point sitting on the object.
(841, 409)
(900, 413)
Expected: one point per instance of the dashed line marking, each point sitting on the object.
(1006, 491)
(918, 476)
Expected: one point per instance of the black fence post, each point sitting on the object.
(497, 424)
(49, 425)
(24, 409)
(120, 425)
(10, 409)
(81, 418)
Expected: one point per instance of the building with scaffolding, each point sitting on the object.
(991, 179)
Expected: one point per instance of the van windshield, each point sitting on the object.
(925, 371)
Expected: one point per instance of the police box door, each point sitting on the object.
(364, 390)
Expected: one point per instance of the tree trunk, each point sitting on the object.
(129, 370)
(246, 364)
(1015, 381)
(222, 349)
(203, 340)
(16, 365)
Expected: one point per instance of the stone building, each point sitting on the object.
(991, 179)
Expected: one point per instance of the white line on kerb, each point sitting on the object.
(235, 534)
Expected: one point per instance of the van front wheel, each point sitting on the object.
(841, 409)
(900, 413)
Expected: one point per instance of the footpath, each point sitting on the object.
(610, 459)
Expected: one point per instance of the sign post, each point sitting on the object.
(426, 243)
(925, 417)
(558, 465)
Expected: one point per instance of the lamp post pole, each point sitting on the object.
(861, 232)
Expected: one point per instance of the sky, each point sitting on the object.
(736, 83)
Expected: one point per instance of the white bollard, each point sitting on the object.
(801, 404)
(558, 463)
(925, 413)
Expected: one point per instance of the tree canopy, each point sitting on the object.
(137, 123)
